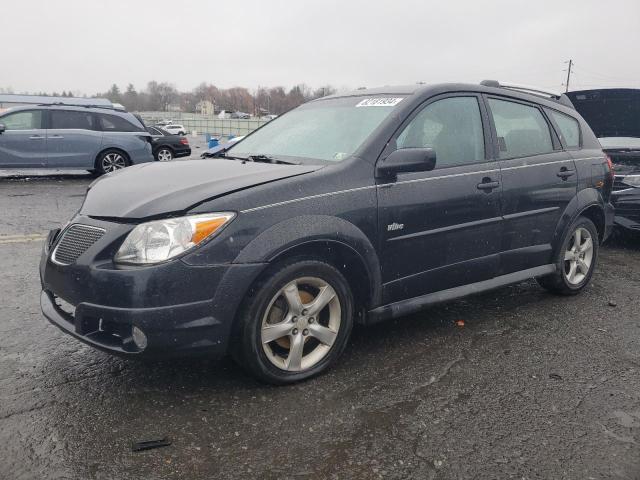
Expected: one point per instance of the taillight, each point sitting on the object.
(612, 170)
(184, 141)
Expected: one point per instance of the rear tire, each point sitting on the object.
(110, 161)
(296, 322)
(575, 260)
(164, 154)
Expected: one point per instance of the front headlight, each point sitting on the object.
(161, 240)
(631, 180)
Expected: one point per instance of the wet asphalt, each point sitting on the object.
(516, 383)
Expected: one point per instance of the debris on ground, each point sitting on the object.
(555, 376)
(612, 303)
(460, 323)
(150, 444)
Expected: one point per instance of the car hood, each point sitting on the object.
(157, 189)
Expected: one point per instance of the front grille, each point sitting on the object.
(74, 242)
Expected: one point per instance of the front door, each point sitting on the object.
(73, 139)
(442, 229)
(539, 180)
(24, 142)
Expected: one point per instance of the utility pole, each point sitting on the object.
(569, 74)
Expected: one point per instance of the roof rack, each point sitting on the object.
(557, 96)
(116, 106)
(42, 100)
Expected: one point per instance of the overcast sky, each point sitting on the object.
(87, 45)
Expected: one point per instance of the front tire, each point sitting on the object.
(575, 260)
(296, 322)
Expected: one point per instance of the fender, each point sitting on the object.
(305, 229)
(585, 198)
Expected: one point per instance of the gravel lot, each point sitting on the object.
(533, 386)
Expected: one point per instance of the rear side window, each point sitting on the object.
(67, 120)
(113, 123)
(452, 127)
(569, 128)
(521, 129)
(26, 120)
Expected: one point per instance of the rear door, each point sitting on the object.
(24, 143)
(441, 229)
(539, 180)
(73, 139)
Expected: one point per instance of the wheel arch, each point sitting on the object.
(588, 203)
(332, 239)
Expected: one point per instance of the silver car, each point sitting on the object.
(72, 137)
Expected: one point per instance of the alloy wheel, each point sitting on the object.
(113, 161)
(300, 324)
(165, 155)
(578, 256)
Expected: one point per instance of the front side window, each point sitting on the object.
(521, 129)
(26, 120)
(569, 128)
(113, 123)
(452, 127)
(327, 130)
(68, 120)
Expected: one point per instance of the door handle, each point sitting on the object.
(56, 136)
(565, 173)
(36, 137)
(488, 185)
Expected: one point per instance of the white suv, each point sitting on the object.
(176, 129)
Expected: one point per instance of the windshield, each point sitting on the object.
(328, 130)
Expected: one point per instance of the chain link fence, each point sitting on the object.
(205, 125)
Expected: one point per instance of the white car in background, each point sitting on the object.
(175, 128)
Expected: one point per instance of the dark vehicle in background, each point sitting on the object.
(614, 116)
(167, 146)
(240, 115)
(352, 208)
(72, 137)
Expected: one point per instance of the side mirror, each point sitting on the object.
(406, 160)
(3, 127)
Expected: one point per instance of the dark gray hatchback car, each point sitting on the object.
(352, 208)
(72, 137)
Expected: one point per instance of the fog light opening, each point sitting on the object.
(139, 338)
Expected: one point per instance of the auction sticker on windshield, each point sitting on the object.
(379, 102)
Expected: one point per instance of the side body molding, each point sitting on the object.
(309, 229)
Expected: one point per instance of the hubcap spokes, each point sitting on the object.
(301, 324)
(579, 256)
(164, 155)
(113, 161)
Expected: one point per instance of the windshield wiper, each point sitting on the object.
(269, 159)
